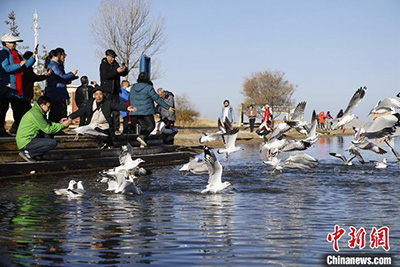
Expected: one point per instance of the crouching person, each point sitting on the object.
(34, 124)
(98, 112)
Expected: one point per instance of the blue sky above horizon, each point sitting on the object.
(327, 48)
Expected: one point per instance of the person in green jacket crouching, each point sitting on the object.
(34, 124)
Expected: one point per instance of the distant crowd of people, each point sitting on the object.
(99, 105)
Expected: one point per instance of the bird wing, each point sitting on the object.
(313, 128)
(214, 167)
(382, 126)
(397, 154)
(358, 95)
(354, 151)
(390, 103)
(221, 126)
(281, 128)
(230, 140)
(298, 112)
(340, 156)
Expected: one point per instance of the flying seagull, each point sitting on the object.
(195, 165)
(345, 161)
(215, 183)
(229, 140)
(347, 115)
(209, 137)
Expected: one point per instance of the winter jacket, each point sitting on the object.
(123, 99)
(56, 88)
(28, 81)
(106, 107)
(31, 123)
(83, 94)
(110, 77)
(169, 99)
(142, 97)
(230, 114)
(252, 113)
(8, 70)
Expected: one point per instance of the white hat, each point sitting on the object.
(9, 38)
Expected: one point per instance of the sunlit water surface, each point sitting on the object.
(263, 218)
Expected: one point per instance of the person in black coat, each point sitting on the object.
(98, 110)
(83, 94)
(110, 74)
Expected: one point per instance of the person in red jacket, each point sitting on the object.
(267, 114)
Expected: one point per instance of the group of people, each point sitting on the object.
(252, 115)
(100, 105)
(325, 120)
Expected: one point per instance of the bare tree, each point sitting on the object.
(126, 27)
(268, 87)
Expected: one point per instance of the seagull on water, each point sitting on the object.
(381, 164)
(80, 188)
(345, 161)
(65, 191)
(215, 183)
(71, 191)
(347, 115)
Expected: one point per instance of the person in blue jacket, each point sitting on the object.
(123, 100)
(56, 88)
(142, 96)
(12, 67)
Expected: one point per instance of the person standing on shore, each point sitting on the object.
(56, 88)
(252, 114)
(123, 100)
(226, 112)
(110, 76)
(12, 68)
(83, 94)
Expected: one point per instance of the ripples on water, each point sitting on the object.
(266, 219)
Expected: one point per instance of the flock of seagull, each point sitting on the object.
(122, 179)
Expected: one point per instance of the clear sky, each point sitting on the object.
(327, 48)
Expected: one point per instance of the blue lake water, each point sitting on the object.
(262, 219)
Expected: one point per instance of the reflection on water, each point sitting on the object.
(261, 219)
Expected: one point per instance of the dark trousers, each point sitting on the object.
(252, 121)
(125, 121)
(114, 114)
(39, 146)
(147, 125)
(58, 110)
(25, 107)
(100, 140)
(18, 106)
